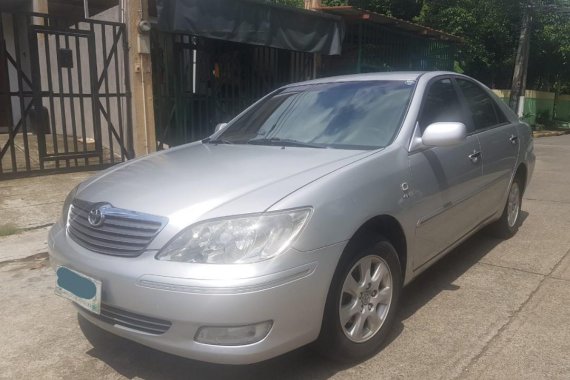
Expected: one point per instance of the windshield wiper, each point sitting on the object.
(284, 142)
(208, 140)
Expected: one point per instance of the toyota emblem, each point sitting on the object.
(96, 216)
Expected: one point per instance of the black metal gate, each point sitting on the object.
(199, 82)
(64, 93)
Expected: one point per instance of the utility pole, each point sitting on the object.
(516, 100)
(518, 89)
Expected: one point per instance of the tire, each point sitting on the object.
(509, 222)
(374, 304)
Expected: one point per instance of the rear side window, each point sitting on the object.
(484, 110)
(441, 104)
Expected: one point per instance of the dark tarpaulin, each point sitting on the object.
(253, 22)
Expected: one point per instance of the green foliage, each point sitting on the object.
(549, 62)
(290, 3)
(491, 29)
(334, 3)
(8, 229)
(405, 9)
(543, 116)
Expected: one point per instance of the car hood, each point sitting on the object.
(194, 181)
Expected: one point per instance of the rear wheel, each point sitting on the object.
(361, 304)
(509, 222)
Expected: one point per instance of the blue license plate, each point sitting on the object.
(79, 288)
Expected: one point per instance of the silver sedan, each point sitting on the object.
(298, 221)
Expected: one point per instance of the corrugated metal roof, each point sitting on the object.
(349, 12)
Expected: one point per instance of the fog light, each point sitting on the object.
(233, 335)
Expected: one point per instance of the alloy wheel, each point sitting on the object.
(513, 204)
(365, 298)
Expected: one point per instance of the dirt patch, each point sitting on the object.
(33, 262)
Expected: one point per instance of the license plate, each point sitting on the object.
(79, 288)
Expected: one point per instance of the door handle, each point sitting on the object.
(513, 139)
(474, 157)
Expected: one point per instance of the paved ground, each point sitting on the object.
(490, 309)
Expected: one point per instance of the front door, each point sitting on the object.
(445, 180)
(499, 144)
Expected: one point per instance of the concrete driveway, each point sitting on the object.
(490, 309)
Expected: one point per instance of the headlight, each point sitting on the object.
(236, 240)
(67, 204)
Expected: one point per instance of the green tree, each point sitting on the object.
(489, 29)
(404, 9)
(549, 66)
(290, 3)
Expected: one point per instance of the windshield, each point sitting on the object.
(346, 115)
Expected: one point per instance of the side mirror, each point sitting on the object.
(220, 126)
(444, 134)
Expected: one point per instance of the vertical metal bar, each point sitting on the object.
(50, 94)
(183, 84)
(359, 59)
(36, 93)
(118, 93)
(95, 93)
(129, 131)
(3, 54)
(86, 8)
(196, 116)
(72, 102)
(106, 81)
(80, 96)
(61, 101)
(21, 94)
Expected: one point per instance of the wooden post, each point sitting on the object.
(314, 4)
(144, 132)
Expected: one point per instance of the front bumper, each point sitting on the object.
(289, 290)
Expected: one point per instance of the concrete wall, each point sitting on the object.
(563, 107)
(541, 103)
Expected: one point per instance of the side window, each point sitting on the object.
(484, 110)
(441, 104)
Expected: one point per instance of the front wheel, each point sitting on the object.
(361, 303)
(509, 222)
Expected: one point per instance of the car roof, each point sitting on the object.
(395, 75)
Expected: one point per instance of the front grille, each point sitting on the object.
(119, 233)
(114, 316)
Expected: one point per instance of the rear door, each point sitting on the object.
(499, 143)
(444, 179)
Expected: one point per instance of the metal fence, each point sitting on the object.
(199, 82)
(370, 47)
(65, 92)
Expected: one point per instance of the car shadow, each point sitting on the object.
(132, 360)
